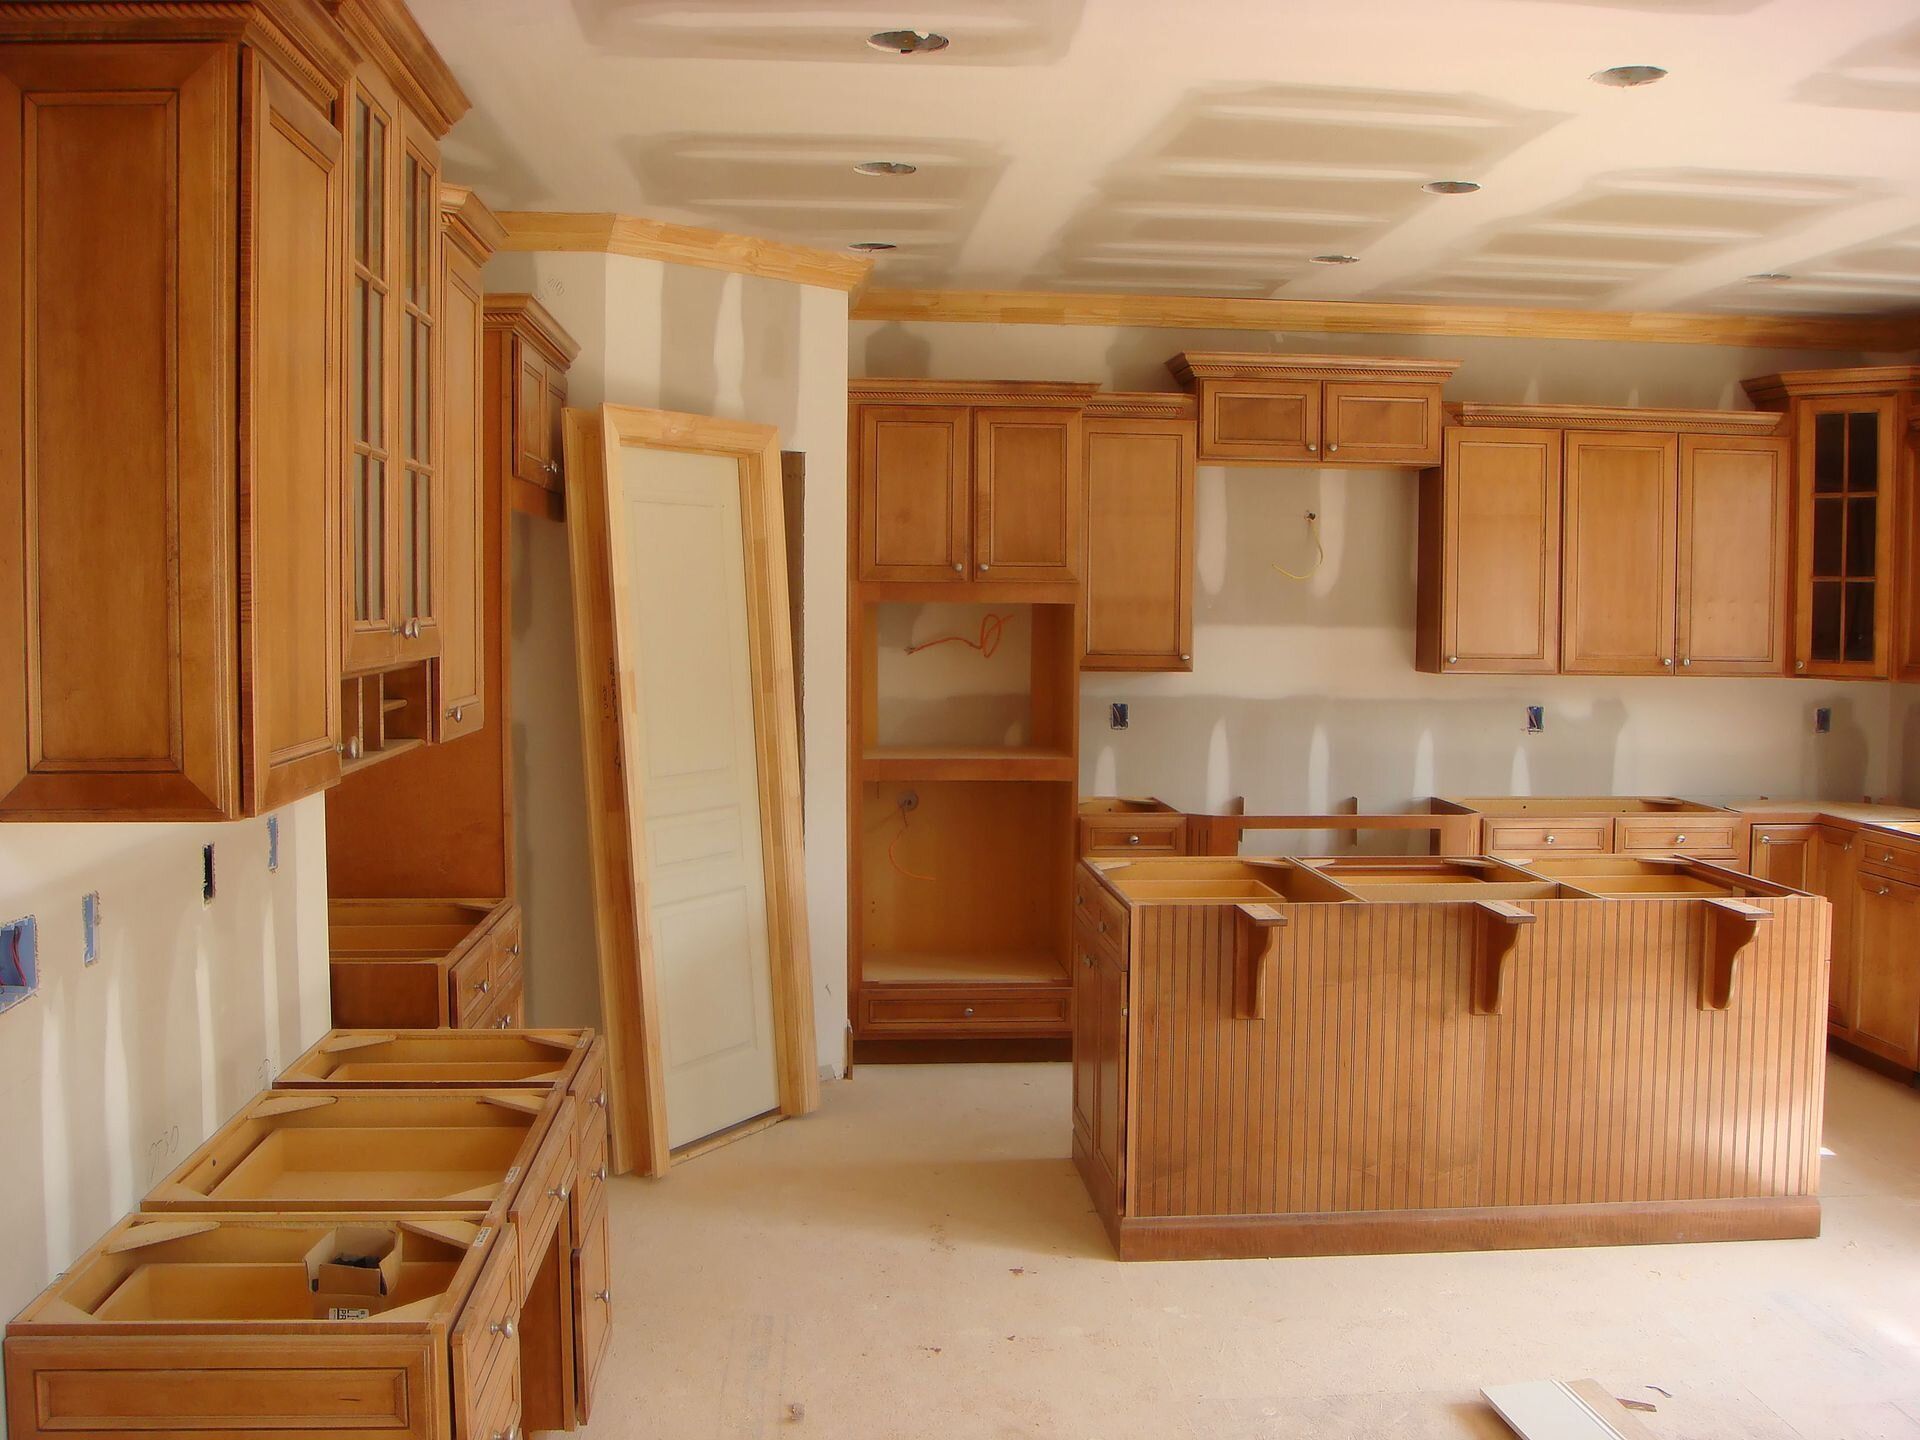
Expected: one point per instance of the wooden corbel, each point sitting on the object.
(1731, 925)
(1256, 950)
(1496, 930)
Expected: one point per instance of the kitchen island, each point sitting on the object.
(1313, 1057)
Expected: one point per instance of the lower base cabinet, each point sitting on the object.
(1886, 999)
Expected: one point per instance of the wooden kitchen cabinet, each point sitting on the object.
(967, 483)
(1886, 981)
(1836, 875)
(1620, 553)
(528, 360)
(1361, 410)
(1855, 583)
(1787, 855)
(1731, 581)
(1110, 1072)
(1489, 556)
(1138, 609)
(170, 440)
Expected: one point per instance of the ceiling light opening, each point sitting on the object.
(1627, 77)
(1334, 259)
(872, 247)
(1769, 277)
(884, 167)
(1451, 187)
(907, 42)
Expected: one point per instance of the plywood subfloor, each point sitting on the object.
(920, 1259)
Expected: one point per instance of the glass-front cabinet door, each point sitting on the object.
(393, 306)
(1846, 531)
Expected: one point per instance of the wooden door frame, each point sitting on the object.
(609, 717)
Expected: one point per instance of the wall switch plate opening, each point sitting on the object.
(19, 961)
(1823, 720)
(273, 844)
(90, 928)
(1536, 719)
(1117, 715)
(206, 875)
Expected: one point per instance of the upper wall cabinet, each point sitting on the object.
(1138, 612)
(1856, 580)
(968, 483)
(529, 357)
(170, 332)
(1605, 542)
(1364, 410)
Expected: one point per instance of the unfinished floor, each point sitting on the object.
(919, 1259)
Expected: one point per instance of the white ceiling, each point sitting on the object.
(1211, 146)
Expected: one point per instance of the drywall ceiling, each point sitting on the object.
(1213, 147)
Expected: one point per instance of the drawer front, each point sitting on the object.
(592, 1307)
(590, 1094)
(1146, 835)
(1095, 905)
(887, 1011)
(543, 1195)
(470, 986)
(486, 1337)
(1537, 837)
(589, 1190)
(1895, 858)
(506, 949)
(497, 1414)
(1678, 835)
(506, 1010)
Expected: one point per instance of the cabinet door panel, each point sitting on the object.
(1271, 420)
(374, 471)
(1844, 582)
(1110, 1077)
(291, 554)
(1786, 855)
(1377, 423)
(555, 411)
(1498, 544)
(1620, 553)
(532, 436)
(1139, 600)
(1887, 970)
(463, 640)
(1026, 495)
(417, 504)
(1086, 1028)
(1732, 579)
(915, 495)
(1837, 877)
(117, 485)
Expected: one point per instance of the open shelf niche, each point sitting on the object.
(965, 791)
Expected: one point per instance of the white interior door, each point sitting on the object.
(685, 613)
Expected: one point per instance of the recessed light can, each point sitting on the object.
(1769, 277)
(1334, 259)
(1627, 77)
(872, 247)
(885, 167)
(907, 42)
(1451, 187)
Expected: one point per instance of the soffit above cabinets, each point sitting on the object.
(1065, 146)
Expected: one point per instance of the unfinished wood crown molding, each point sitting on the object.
(882, 390)
(470, 223)
(301, 36)
(1771, 390)
(391, 38)
(1142, 405)
(1195, 365)
(535, 321)
(1357, 317)
(1617, 417)
(643, 239)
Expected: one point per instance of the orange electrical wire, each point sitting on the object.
(992, 627)
(893, 859)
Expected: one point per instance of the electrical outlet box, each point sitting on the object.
(273, 844)
(1823, 721)
(206, 875)
(1117, 715)
(1536, 719)
(90, 928)
(19, 961)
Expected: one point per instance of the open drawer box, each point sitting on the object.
(196, 1324)
(425, 963)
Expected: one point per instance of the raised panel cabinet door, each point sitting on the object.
(416, 499)
(1887, 969)
(1026, 495)
(1837, 876)
(915, 496)
(1277, 421)
(1381, 423)
(118, 278)
(1139, 595)
(554, 408)
(1498, 551)
(1845, 464)
(533, 452)
(1110, 1073)
(1786, 855)
(292, 306)
(1619, 553)
(460, 708)
(1735, 503)
(1086, 1027)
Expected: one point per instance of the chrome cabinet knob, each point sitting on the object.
(458, 713)
(1313, 447)
(504, 1328)
(1766, 839)
(1881, 891)
(958, 566)
(485, 987)
(1799, 665)
(560, 1192)
(354, 748)
(1667, 660)
(605, 1297)
(984, 568)
(601, 1173)
(1133, 839)
(600, 1101)
(1333, 447)
(1187, 659)
(1553, 839)
(1123, 1012)
(1679, 839)
(1453, 659)
(968, 1012)
(1687, 660)
(514, 949)
(1088, 959)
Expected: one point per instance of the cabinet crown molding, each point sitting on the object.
(1142, 405)
(512, 311)
(470, 223)
(1854, 380)
(876, 390)
(1193, 365)
(392, 39)
(1617, 417)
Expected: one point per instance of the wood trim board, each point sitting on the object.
(609, 717)
(643, 239)
(1356, 317)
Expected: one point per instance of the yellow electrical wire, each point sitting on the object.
(1319, 551)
